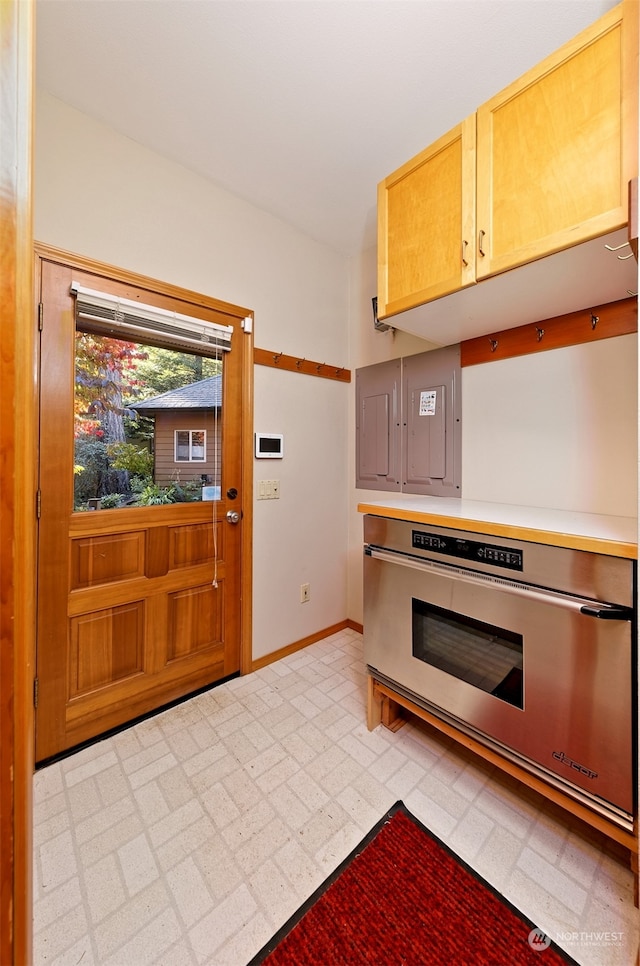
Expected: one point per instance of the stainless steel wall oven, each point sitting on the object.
(529, 648)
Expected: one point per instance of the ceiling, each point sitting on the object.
(300, 107)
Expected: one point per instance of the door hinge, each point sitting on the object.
(38, 504)
(40, 316)
(36, 688)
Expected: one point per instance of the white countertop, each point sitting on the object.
(615, 536)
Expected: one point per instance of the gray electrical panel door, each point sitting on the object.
(378, 430)
(431, 430)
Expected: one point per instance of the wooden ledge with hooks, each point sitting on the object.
(587, 325)
(278, 360)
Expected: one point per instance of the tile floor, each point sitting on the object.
(191, 837)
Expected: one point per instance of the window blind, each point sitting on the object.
(105, 314)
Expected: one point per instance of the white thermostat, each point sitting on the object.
(269, 446)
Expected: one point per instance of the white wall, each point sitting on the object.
(103, 196)
(302, 537)
(552, 429)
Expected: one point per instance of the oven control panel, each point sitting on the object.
(473, 550)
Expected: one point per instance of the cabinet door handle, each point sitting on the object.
(481, 242)
(464, 252)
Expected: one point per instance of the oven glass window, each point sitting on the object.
(488, 657)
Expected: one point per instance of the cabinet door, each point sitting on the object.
(378, 433)
(432, 439)
(556, 149)
(426, 224)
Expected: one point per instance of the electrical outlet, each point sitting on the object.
(305, 593)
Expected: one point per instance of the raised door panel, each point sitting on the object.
(105, 558)
(192, 545)
(426, 432)
(195, 621)
(105, 647)
(378, 417)
(426, 224)
(553, 167)
(432, 413)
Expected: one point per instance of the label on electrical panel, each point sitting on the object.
(428, 402)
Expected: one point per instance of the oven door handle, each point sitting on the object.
(579, 605)
(607, 612)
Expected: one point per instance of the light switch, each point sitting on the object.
(268, 490)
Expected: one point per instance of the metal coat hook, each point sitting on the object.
(299, 363)
(594, 320)
(277, 357)
(616, 248)
(494, 344)
(338, 371)
(540, 333)
(319, 366)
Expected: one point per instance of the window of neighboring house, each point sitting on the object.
(190, 445)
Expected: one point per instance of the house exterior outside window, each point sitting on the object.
(190, 445)
(182, 453)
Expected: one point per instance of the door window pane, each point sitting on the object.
(147, 425)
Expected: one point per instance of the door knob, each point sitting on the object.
(233, 516)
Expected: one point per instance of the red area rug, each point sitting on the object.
(402, 898)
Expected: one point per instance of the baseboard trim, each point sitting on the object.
(304, 642)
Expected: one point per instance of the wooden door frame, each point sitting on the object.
(18, 449)
(245, 346)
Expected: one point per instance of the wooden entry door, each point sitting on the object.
(139, 605)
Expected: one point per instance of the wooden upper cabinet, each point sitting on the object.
(426, 223)
(555, 154)
(542, 167)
